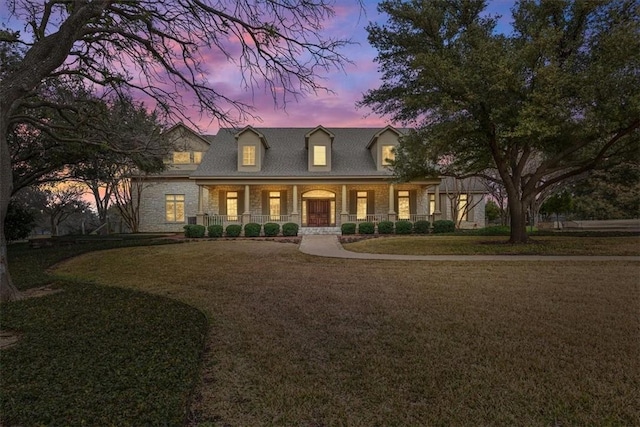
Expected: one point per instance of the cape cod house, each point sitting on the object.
(318, 178)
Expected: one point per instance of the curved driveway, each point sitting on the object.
(329, 246)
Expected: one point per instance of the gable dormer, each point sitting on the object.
(252, 146)
(382, 147)
(319, 142)
(188, 147)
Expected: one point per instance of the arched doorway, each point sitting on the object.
(318, 208)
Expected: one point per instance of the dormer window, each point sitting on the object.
(388, 155)
(319, 155)
(249, 155)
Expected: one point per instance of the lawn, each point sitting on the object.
(485, 245)
(95, 355)
(300, 340)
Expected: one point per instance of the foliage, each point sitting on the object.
(348, 228)
(233, 230)
(385, 227)
(252, 229)
(18, 223)
(290, 229)
(215, 230)
(491, 211)
(421, 227)
(404, 227)
(366, 228)
(530, 109)
(271, 229)
(194, 230)
(558, 203)
(444, 226)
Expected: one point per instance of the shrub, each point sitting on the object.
(271, 229)
(421, 227)
(366, 228)
(348, 228)
(444, 226)
(215, 230)
(233, 230)
(18, 222)
(290, 229)
(194, 231)
(252, 229)
(385, 227)
(404, 227)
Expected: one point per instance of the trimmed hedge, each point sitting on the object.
(404, 227)
(194, 231)
(215, 230)
(421, 227)
(444, 226)
(271, 229)
(252, 229)
(290, 229)
(348, 228)
(233, 230)
(366, 228)
(385, 227)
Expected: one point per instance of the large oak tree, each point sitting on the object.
(160, 48)
(532, 108)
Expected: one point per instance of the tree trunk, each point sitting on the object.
(8, 292)
(518, 215)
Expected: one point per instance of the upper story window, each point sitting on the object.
(249, 155)
(319, 155)
(388, 155)
(186, 157)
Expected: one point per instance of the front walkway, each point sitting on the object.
(329, 246)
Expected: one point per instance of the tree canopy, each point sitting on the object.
(552, 99)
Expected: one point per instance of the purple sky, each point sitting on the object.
(328, 109)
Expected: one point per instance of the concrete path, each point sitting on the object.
(329, 246)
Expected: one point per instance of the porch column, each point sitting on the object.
(392, 212)
(437, 213)
(344, 213)
(295, 216)
(200, 213)
(246, 215)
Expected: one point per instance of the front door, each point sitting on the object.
(318, 213)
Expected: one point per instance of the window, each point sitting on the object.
(197, 157)
(174, 207)
(432, 203)
(361, 206)
(388, 155)
(232, 205)
(274, 205)
(181, 157)
(404, 211)
(319, 155)
(248, 155)
(461, 210)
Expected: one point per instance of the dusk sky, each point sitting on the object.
(337, 109)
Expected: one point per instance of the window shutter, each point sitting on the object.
(222, 207)
(470, 203)
(445, 212)
(240, 203)
(371, 205)
(395, 201)
(283, 203)
(353, 204)
(265, 202)
(412, 202)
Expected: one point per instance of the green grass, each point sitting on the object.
(496, 245)
(301, 340)
(93, 354)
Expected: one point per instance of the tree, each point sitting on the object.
(531, 109)
(61, 202)
(158, 48)
(492, 211)
(19, 222)
(558, 203)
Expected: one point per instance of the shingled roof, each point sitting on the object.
(287, 155)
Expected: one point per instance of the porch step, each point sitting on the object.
(319, 230)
